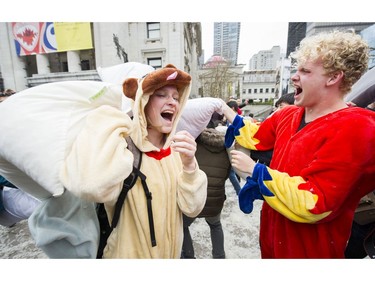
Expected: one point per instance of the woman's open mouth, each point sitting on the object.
(167, 115)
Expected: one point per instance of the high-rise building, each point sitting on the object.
(369, 35)
(316, 27)
(296, 32)
(299, 30)
(226, 40)
(265, 59)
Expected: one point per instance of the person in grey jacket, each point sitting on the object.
(213, 159)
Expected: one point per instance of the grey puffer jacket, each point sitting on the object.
(213, 159)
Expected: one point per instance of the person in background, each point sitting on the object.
(173, 177)
(213, 159)
(242, 104)
(316, 175)
(15, 204)
(233, 177)
(361, 231)
(284, 100)
(7, 93)
(238, 102)
(250, 117)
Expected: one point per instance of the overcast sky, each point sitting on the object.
(254, 37)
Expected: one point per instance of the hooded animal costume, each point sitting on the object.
(62, 225)
(316, 178)
(101, 149)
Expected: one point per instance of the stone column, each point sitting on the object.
(42, 64)
(74, 61)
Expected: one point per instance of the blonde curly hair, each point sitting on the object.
(339, 51)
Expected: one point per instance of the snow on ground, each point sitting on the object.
(241, 245)
(241, 231)
(240, 234)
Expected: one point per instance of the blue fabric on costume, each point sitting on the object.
(5, 182)
(1, 201)
(254, 188)
(233, 130)
(248, 194)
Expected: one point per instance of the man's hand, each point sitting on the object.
(228, 112)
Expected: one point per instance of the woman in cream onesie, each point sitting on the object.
(100, 161)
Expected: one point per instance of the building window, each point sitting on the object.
(153, 30)
(261, 90)
(249, 91)
(154, 62)
(64, 66)
(267, 90)
(85, 64)
(255, 91)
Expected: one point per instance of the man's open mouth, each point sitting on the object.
(297, 91)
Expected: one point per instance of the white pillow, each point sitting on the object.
(118, 73)
(39, 125)
(197, 114)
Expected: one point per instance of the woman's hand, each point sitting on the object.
(242, 162)
(184, 143)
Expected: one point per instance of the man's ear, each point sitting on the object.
(335, 77)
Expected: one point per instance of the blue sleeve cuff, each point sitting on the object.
(260, 174)
(254, 188)
(233, 131)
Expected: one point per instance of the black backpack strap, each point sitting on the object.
(128, 184)
(149, 208)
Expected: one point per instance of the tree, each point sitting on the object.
(218, 80)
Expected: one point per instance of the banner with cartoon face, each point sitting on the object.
(47, 37)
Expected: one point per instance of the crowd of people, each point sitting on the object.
(310, 162)
(5, 94)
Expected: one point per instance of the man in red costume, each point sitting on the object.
(323, 160)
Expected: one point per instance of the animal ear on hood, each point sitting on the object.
(168, 75)
(130, 87)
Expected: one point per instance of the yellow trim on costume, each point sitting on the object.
(290, 201)
(246, 137)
